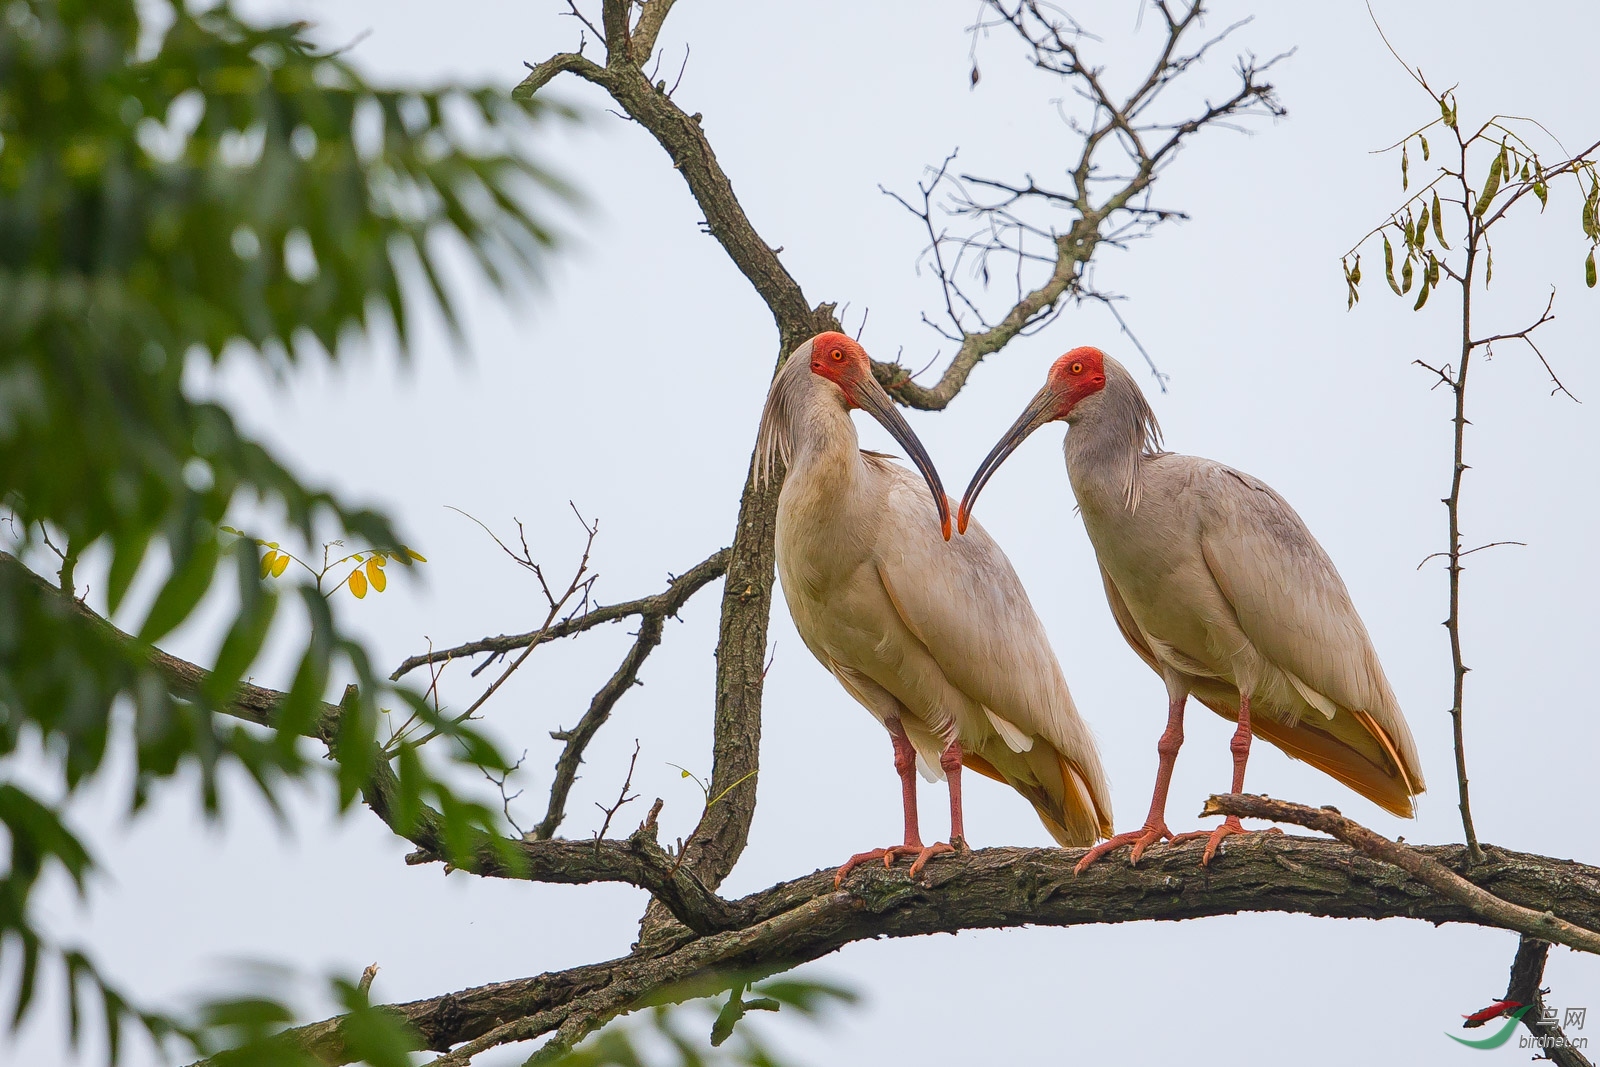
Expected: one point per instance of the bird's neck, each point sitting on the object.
(1107, 441)
(826, 460)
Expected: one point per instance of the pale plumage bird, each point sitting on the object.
(1220, 588)
(935, 638)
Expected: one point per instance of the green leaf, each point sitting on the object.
(128, 552)
(190, 580)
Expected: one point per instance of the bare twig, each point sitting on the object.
(679, 590)
(577, 739)
(622, 796)
(1122, 152)
(499, 782)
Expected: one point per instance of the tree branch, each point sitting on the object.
(637, 861)
(664, 604)
(1100, 215)
(987, 889)
(720, 837)
(1493, 911)
(1527, 974)
(577, 739)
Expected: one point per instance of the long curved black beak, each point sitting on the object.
(871, 398)
(1040, 410)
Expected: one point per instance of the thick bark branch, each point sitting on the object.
(718, 840)
(994, 888)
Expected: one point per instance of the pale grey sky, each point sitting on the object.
(632, 387)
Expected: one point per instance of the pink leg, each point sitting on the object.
(905, 765)
(1240, 746)
(950, 761)
(1155, 824)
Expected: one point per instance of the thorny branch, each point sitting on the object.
(1515, 171)
(1106, 200)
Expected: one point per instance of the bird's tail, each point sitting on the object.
(1070, 800)
(1352, 747)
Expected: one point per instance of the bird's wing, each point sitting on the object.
(1293, 606)
(965, 603)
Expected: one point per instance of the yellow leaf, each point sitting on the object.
(379, 559)
(272, 544)
(358, 584)
(375, 575)
(418, 556)
(267, 562)
(358, 557)
(280, 565)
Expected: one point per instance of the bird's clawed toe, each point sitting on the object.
(938, 848)
(1230, 827)
(919, 852)
(1141, 839)
(887, 855)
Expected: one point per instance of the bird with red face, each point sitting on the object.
(1220, 588)
(936, 638)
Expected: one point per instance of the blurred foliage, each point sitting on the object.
(249, 1032)
(663, 1037)
(178, 186)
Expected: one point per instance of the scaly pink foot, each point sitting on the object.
(1230, 827)
(938, 848)
(887, 855)
(1148, 834)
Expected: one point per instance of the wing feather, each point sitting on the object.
(1293, 606)
(965, 603)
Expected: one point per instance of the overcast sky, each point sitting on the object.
(631, 386)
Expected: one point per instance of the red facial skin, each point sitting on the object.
(840, 360)
(1079, 373)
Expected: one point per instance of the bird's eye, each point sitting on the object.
(1077, 368)
(838, 356)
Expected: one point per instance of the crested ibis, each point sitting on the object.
(936, 638)
(1220, 588)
